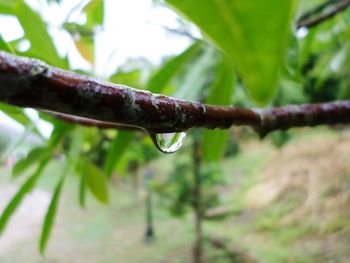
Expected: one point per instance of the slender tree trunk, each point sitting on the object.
(198, 245)
(149, 235)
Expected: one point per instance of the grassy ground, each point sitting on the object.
(285, 205)
(101, 234)
(293, 203)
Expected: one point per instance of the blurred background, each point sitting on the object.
(93, 195)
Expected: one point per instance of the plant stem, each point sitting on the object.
(197, 202)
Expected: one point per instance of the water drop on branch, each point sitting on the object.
(168, 142)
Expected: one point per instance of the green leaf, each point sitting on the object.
(35, 155)
(117, 148)
(18, 115)
(161, 78)
(50, 215)
(94, 13)
(16, 200)
(220, 93)
(96, 181)
(5, 46)
(35, 29)
(7, 7)
(253, 35)
(130, 78)
(196, 76)
(86, 48)
(57, 135)
(75, 147)
(17, 143)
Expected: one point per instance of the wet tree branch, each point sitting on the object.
(31, 83)
(310, 20)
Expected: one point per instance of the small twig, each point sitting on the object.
(307, 21)
(31, 83)
(88, 122)
(180, 32)
(317, 9)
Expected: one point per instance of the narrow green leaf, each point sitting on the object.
(254, 36)
(196, 77)
(130, 78)
(57, 135)
(5, 46)
(94, 13)
(50, 215)
(18, 115)
(96, 181)
(35, 29)
(75, 148)
(17, 143)
(7, 7)
(17, 199)
(220, 93)
(34, 156)
(86, 48)
(161, 78)
(117, 149)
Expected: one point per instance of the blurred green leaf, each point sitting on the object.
(220, 93)
(75, 147)
(197, 76)
(94, 13)
(50, 215)
(18, 115)
(77, 29)
(57, 135)
(57, 1)
(129, 78)
(24, 189)
(5, 46)
(7, 7)
(117, 149)
(32, 180)
(86, 48)
(254, 36)
(34, 156)
(36, 32)
(95, 181)
(161, 78)
(16, 143)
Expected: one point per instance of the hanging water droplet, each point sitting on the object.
(168, 142)
(302, 32)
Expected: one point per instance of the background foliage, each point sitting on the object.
(249, 55)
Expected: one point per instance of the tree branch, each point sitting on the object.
(308, 20)
(31, 83)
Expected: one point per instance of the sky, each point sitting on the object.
(132, 29)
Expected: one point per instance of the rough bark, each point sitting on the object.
(31, 83)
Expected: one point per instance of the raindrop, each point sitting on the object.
(302, 32)
(168, 142)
